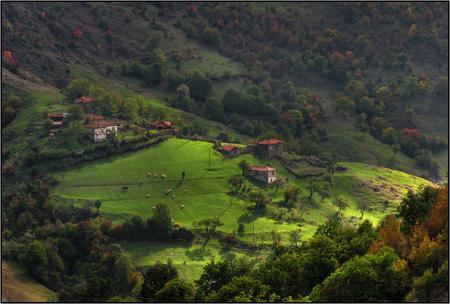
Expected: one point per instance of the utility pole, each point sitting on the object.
(209, 159)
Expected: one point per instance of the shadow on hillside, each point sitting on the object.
(198, 254)
(250, 216)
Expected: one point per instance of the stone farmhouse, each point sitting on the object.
(264, 174)
(269, 148)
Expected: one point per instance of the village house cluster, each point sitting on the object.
(98, 128)
(267, 149)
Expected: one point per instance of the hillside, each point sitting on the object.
(17, 287)
(59, 53)
(225, 152)
(203, 195)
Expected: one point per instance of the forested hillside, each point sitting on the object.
(305, 72)
(225, 151)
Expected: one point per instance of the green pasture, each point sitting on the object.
(203, 192)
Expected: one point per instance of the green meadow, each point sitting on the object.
(202, 194)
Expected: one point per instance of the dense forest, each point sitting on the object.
(337, 82)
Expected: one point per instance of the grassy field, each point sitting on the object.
(17, 287)
(189, 260)
(203, 194)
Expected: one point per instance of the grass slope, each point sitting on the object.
(17, 287)
(203, 193)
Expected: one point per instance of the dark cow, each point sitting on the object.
(125, 189)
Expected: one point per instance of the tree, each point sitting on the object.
(384, 94)
(363, 206)
(278, 183)
(341, 203)
(415, 206)
(236, 182)
(123, 274)
(243, 289)
(294, 237)
(370, 278)
(214, 109)
(175, 291)
(395, 150)
(390, 235)
(389, 135)
(428, 287)
(98, 204)
(345, 104)
(74, 131)
(217, 274)
(260, 198)
(155, 277)
(160, 225)
(244, 165)
(361, 123)
(152, 44)
(357, 89)
(441, 88)
(208, 226)
(200, 86)
(77, 88)
(317, 185)
(76, 113)
(276, 238)
(211, 36)
(290, 194)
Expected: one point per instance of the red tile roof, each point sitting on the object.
(55, 115)
(261, 168)
(100, 124)
(270, 141)
(161, 124)
(94, 117)
(228, 148)
(84, 99)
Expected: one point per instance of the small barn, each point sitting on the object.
(57, 119)
(229, 150)
(84, 100)
(270, 147)
(264, 174)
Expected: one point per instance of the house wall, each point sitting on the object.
(266, 177)
(270, 150)
(100, 134)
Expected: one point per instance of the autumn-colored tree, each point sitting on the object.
(390, 235)
(438, 215)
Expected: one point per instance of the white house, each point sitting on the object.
(99, 131)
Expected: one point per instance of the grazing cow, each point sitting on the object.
(173, 195)
(125, 189)
(153, 207)
(169, 191)
(163, 176)
(181, 206)
(155, 175)
(148, 195)
(149, 174)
